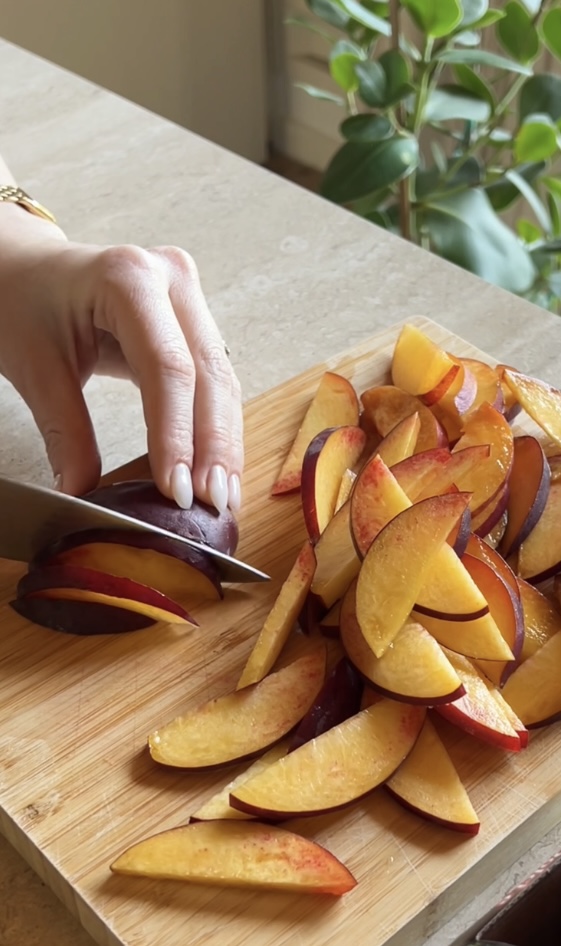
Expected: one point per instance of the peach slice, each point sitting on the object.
(428, 784)
(460, 465)
(533, 689)
(528, 490)
(541, 618)
(281, 618)
(417, 471)
(486, 426)
(488, 384)
(400, 442)
(80, 617)
(337, 561)
(145, 558)
(478, 548)
(450, 593)
(338, 699)
(398, 563)
(539, 399)
(237, 854)
(338, 767)
(376, 498)
(477, 712)
(489, 517)
(328, 456)
(539, 555)
(418, 364)
(74, 583)
(436, 394)
(413, 670)
(455, 402)
(245, 722)
(347, 483)
(513, 719)
(335, 404)
(511, 407)
(479, 638)
(506, 611)
(218, 805)
(386, 405)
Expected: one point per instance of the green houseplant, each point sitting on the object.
(442, 135)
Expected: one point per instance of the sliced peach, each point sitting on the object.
(541, 618)
(449, 592)
(79, 617)
(456, 402)
(461, 464)
(245, 722)
(539, 555)
(75, 583)
(414, 669)
(338, 767)
(347, 482)
(338, 699)
(328, 456)
(533, 689)
(419, 365)
(490, 516)
(511, 407)
(400, 442)
(428, 783)
(539, 399)
(337, 560)
(528, 490)
(506, 611)
(417, 471)
(386, 405)
(477, 712)
(237, 854)
(436, 394)
(376, 498)
(478, 548)
(218, 805)
(479, 638)
(486, 426)
(488, 384)
(398, 563)
(281, 618)
(335, 404)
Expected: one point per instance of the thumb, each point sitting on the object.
(57, 403)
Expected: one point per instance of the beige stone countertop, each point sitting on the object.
(291, 280)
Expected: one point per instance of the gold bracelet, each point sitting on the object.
(16, 195)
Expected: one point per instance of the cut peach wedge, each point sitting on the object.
(539, 555)
(486, 426)
(347, 482)
(533, 689)
(477, 639)
(540, 400)
(414, 669)
(478, 548)
(488, 384)
(506, 610)
(328, 456)
(400, 442)
(419, 365)
(338, 699)
(338, 767)
(398, 564)
(336, 557)
(335, 404)
(241, 724)
(416, 472)
(428, 784)
(528, 490)
(386, 405)
(74, 583)
(237, 854)
(541, 618)
(376, 498)
(281, 618)
(477, 712)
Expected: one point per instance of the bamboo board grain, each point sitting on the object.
(77, 785)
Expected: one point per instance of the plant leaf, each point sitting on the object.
(531, 198)
(472, 81)
(360, 167)
(329, 11)
(371, 83)
(453, 102)
(554, 213)
(467, 38)
(492, 16)
(502, 193)
(465, 229)
(551, 30)
(366, 128)
(517, 33)
(472, 11)
(536, 139)
(320, 94)
(541, 94)
(398, 75)
(481, 57)
(553, 185)
(527, 231)
(342, 61)
(365, 17)
(436, 18)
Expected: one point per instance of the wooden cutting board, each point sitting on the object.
(77, 784)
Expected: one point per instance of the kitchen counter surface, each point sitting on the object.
(291, 280)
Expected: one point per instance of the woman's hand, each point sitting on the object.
(68, 310)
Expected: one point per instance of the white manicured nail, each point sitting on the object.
(234, 492)
(217, 484)
(182, 485)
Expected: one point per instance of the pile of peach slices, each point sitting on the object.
(428, 590)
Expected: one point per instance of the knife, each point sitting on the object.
(32, 516)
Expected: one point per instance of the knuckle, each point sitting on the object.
(213, 362)
(121, 263)
(180, 260)
(174, 364)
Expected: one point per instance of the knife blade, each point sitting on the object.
(33, 516)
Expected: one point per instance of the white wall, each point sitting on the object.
(200, 64)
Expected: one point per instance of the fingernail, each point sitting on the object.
(234, 492)
(217, 485)
(57, 482)
(182, 485)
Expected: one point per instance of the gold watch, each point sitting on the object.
(16, 195)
